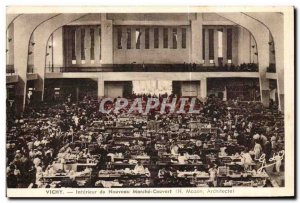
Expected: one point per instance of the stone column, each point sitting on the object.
(224, 44)
(196, 39)
(203, 87)
(100, 87)
(216, 40)
(78, 45)
(97, 45)
(87, 46)
(206, 47)
(106, 40)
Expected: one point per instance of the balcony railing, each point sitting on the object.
(251, 67)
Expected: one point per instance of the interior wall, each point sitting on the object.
(67, 44)
(152, 55)
(57, 49)
(151, 16)
(10, 45)
(244, 39)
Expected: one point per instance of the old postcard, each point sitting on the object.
(151, 102)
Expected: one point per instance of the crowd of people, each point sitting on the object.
(72, 144)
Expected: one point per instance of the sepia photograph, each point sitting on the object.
(149, 102)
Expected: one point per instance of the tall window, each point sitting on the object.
(92, 34)
(220, 43)
(183, 38)
(82, 44)
(128, 38)
(229, 44)
(166, 37)
(174, 33)
(203, 44)
(99, 43)
(156, 38)
(138, 38)
(73, 41)
(211, 44)
(147, 38)
(119, 33)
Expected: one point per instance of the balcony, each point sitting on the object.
(251, 67)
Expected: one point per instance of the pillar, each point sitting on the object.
(106, 40)
(78, 45)
(206, 41)
(224, 44)
(142, 38)
(203, 87)
(100, 92)
(235, 51)
(263, 62)
(151, 38)
(133, 42)
(216, 40)
(97, 45)
(87, 46)
(196, 39)
(161, 37)
(265, 94)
